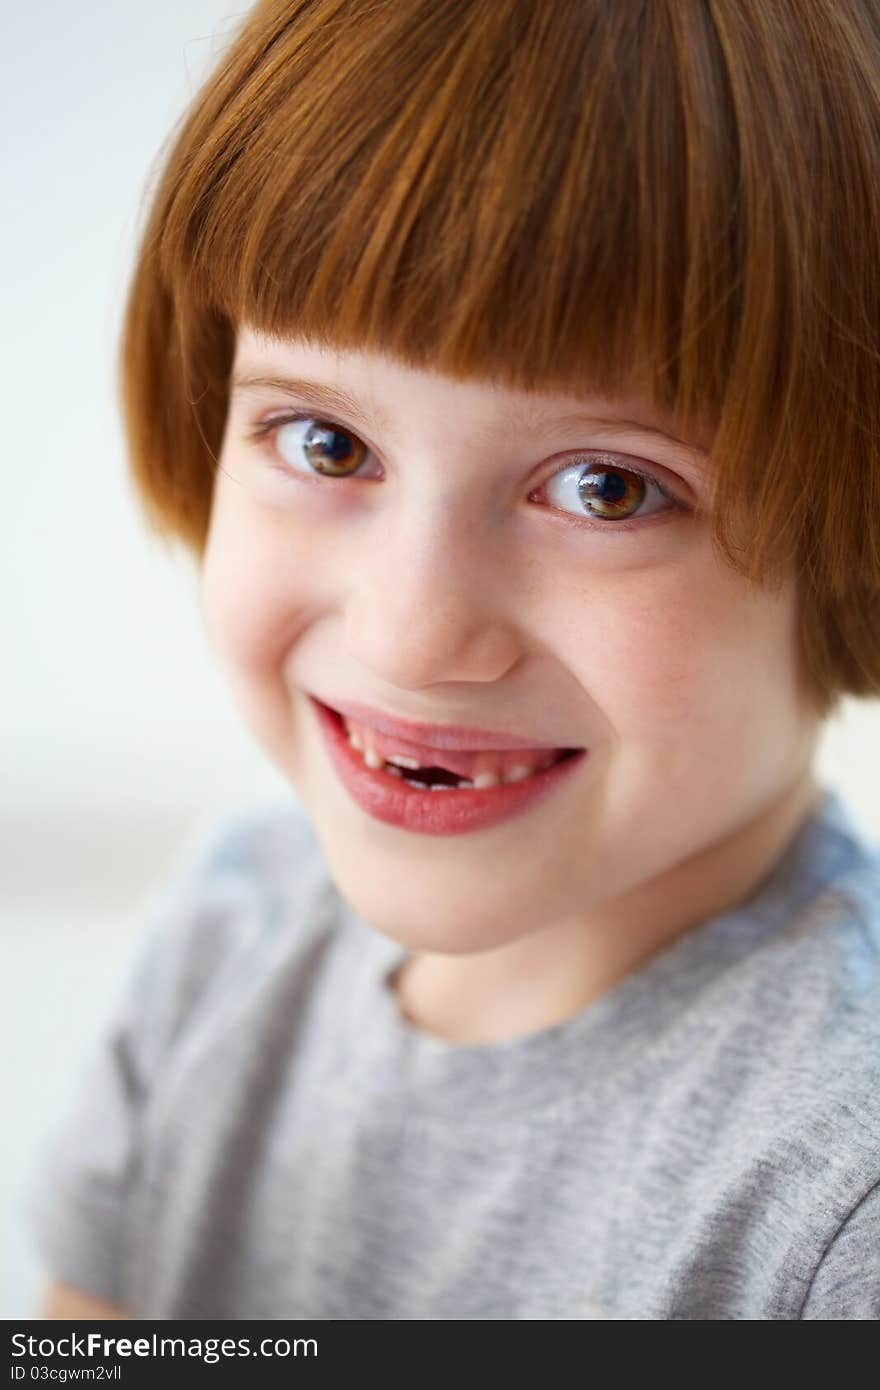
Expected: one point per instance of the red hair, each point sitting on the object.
(554, 196)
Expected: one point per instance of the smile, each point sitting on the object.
(393, 786)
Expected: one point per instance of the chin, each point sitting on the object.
(422, 919)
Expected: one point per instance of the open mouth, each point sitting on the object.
(434, 769)
(421, 794)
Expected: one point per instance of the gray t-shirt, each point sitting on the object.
(255, 1131)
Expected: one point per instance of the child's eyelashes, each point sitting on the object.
(608, 492)
(325, 449)
(599, 489)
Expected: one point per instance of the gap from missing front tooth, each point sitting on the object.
(434, 776)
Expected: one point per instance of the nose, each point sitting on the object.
(429, 603)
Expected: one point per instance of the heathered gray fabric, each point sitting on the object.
(256, 1133)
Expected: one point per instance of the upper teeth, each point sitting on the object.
(489, 775)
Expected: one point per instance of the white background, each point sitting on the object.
(119, 736)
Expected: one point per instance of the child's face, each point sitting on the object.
(434, 586)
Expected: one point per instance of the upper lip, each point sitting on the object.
(450, 736)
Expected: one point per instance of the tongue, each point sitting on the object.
(464, 764)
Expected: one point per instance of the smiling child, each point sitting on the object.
(510, 371)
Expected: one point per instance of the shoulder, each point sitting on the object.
(830, 942)
(266, 845)
(846, 1282)
(820, 923)
(240, 888)
(263, 856)
(770, 1090)
(245, 899)
(814, 1063)
(815, 982)
(264, 852)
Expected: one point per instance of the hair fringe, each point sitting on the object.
(575, 196)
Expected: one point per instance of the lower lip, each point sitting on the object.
(388, 798)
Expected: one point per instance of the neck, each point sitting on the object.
(551, 974)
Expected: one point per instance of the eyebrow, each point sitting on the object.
(314, 393)
(334, 399)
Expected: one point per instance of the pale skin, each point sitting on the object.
(431, 584)
(456, 578)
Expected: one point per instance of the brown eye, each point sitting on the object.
(615, 492)
(603, 490)
(328, 449)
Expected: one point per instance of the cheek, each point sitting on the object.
(254, 608)
(640, 650)
(690, 660)
(254, 593)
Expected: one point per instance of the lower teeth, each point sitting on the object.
(435, 786)
(464, 785)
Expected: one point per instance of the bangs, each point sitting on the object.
(508, 191)
(675, 197)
